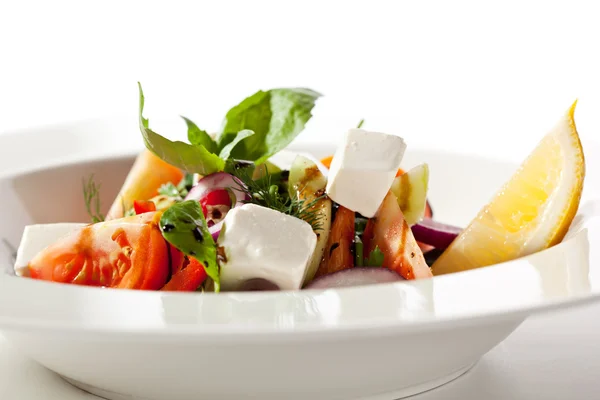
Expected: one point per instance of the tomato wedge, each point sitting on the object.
(391, 234)
(338, 250)
(143, 206)
(177, 259)
(127, 253)
(188, 279)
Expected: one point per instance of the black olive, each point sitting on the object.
(198, 235)
(168, 227)
(257, 284)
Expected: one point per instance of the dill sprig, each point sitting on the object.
(266, 192)
(91, 196)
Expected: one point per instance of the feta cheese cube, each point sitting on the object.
(261, 243)
(36, 238)
(363, 168)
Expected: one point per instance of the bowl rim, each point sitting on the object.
(427, 304)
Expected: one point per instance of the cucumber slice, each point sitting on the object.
(307, 182)
(411, 190)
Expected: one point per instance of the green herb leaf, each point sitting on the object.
(183, 225)
(360, 124)
(169, 190)
(225, 153)
(191, 158)
(199, 137)
(268, 192)
(375, 259)
(276, 116)
(91, 196)
(186, 184)
(180, 191)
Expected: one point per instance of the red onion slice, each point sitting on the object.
(435, 233)
(215, 230)
(357, 276)
(218, 180)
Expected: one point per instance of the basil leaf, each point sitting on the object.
(183, 225)
(191, 158)
(197, 136)
(375, 259)
(276, 116)
(225, 153)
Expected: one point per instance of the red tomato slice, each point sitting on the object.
(177, 259)
(128, 253)
(391, 234)
(188, 279)
(338, 251)
(143, 206)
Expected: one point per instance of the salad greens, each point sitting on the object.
(254, 130)
(266, 192)
(276, 116)
(169, 190)
(199, 137)
(225, 153)
(183, 225)
(189, 157)
(177, 193)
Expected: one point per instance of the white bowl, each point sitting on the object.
(377, 342)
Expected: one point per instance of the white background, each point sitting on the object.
(459, 74)
(484, 77)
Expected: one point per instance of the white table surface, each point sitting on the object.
(484, 77)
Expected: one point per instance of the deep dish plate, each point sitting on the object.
(383, 341)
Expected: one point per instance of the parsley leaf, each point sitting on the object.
(186, 184)
(169, 190)
(267, 192)
(183, 225)
(191, 158)
(275, 116)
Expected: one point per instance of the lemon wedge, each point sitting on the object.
(531, 212)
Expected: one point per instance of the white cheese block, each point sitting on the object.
(363, 168)
(36, 238)
(261, 243)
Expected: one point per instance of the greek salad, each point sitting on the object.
(219, 214)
